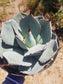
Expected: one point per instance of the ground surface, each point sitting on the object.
(54, 74)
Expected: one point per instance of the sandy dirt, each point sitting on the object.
(54, 74)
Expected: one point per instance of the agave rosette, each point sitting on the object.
(27, 44)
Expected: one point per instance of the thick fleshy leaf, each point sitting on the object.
(46, 32)
(35, 68)
(7, 33)
(30, 23)
(19, 16)
(29, 40)
(15, 27)
(9, 30)
(21, 43)
(15, 58)
(39, 39)
(3, 48)
(39, 63)
(49, 52)
(35, 50)
(55, 37)
(36, 44)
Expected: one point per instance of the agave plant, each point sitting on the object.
(27, 44)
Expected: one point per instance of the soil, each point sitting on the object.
(54, 74)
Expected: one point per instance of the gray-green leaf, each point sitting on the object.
(35, 50)
(49, 52)
(7, 33)
(21, 43)
(15, 58)
(46, 32)
(30, 23)
(19, 16)
(29, 40)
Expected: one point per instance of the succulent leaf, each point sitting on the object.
(7, 33)
(27, 44)
(46, 32)
(49, 52)
(17, 30)
(30, 23)
(3, 47)
(12, 29)
(34, 69)
(19, 16)
(15, 58)
(21, 43)
(39, 39)
(29, 40)
(35, 50)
